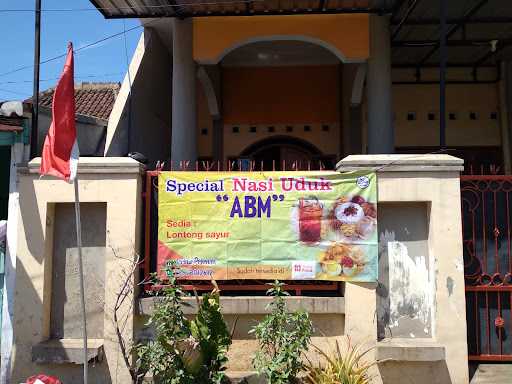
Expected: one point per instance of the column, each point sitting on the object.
(353, 77)
(184, 126)
(505, 89)
(380, 114)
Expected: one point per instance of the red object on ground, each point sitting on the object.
(60, 150)
(43, 379)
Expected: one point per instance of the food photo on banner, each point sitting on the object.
(315, 225)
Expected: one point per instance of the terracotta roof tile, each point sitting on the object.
(91, 99)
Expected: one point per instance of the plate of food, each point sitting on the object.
(352, 218)
(342, 260)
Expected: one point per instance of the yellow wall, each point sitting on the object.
(299, 96)
(347, 35)
(275, 95)
(326, 142)
(281, 97)
(461, 100)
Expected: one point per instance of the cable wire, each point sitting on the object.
(77, 49)
(14, 92)
(57, 78)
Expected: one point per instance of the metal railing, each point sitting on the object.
(228, 287)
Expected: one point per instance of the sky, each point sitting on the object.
(105, 61)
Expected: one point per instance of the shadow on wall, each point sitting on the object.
(393, 372)
(145, 123)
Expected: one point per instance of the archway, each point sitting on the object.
(281, 153)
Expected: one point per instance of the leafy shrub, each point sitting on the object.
(283, 338)
(339, 367)
(184, 351)
(210, 330)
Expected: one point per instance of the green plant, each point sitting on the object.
(210, 330)
(283, 338)
(184, 351)
(339, 367)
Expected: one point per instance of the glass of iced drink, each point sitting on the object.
(310, 220)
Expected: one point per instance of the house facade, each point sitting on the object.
(281, 86)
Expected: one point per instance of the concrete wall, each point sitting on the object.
(462, 99)
(242, 313)
(114, 183)
(420, 297)
(414, 317)
(66, 311)
(144, 109)
(405, 300)
(252, 84)
(90, 133)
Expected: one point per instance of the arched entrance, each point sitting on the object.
(285, 153)
(281, 102)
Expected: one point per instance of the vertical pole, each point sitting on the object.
(381, 136)
(504, 115)
(81, 272)
(184, 119)
(442, 75)
(35, 97)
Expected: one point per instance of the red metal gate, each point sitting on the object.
(486, 218)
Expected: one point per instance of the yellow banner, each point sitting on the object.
(269, 225)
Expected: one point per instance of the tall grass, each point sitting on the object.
(340, 367)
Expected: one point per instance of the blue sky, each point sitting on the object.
(103, 62)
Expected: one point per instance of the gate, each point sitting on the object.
(486, 227)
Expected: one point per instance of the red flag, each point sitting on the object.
(60, 150)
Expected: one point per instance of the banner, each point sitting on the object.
(269, 225)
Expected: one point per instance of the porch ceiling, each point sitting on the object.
(479, 31)
(197, 8)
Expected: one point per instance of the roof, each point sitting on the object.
(478, 31)
(91, 99)
(198, 8)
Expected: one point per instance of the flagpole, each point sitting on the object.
(81, 273)
(35, 97)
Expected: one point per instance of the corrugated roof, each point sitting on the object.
(197, 8)
(91, 99)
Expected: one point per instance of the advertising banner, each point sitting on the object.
(269, 225)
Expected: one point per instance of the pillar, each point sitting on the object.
(210, 76)
(381, 135)
(505, 88)
(184, 126)
(353, 76)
